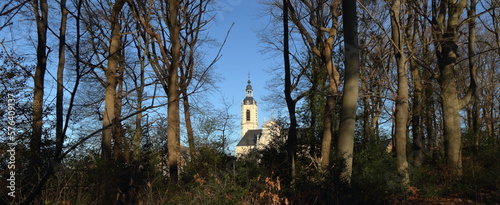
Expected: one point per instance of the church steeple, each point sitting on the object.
(249, 89)
(249, 95)
(249, 112)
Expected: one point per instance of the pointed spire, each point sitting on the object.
(249, 87)
(249, 93)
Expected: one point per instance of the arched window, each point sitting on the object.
(248, 115)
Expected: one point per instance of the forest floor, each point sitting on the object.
(481, 198)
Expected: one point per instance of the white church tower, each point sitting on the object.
(249, 113)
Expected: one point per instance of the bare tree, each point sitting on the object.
(60, 79)
(111, 79)
(193, 75)
(445, 25)
(411, 32)
(402, 112)
(40, 9)
(10, 9)
(292, 131)
(322, 20)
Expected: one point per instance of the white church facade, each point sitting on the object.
(251, 136)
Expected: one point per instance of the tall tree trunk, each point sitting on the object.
(350, 96)
(173, 130)
(333, 83)
(445, 32)
(402, 113)
(472, 61)
(111, 72)
(292, 131)
(416, 118)
(40, 9)
(60, 80)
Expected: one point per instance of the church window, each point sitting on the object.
(248, 115)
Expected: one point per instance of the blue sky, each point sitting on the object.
(241, 55)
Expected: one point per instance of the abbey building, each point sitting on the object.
(251, 136)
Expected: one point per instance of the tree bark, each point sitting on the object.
(173, 130)
(120, 145)
(189, 126)
(472, 68)
(350, 96)
(40, 9)
(402, 93)
(322, 48)
(417, 107)
(60, 81)
(110, 72)
(445, 32)
(292, 131)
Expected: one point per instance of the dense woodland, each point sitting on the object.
(97, 96)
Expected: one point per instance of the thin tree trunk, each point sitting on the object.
(416, 118)
(350, 95)
(429, 113)
(326, 140)
(323, 50)
(136, 139)
(333, 82)
(60, 80)
(472, 62)
(40, 9)
(189, 126)
(110, 72)
(120, 143)
(292, 131)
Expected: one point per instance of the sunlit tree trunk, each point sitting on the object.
(350, 95)
(402, 113)
(445, 34)
(111, 72)
(333, 84)
(173, 130)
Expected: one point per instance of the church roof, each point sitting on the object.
(250, 138)
(249, 101)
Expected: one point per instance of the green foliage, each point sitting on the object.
(375, 177)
